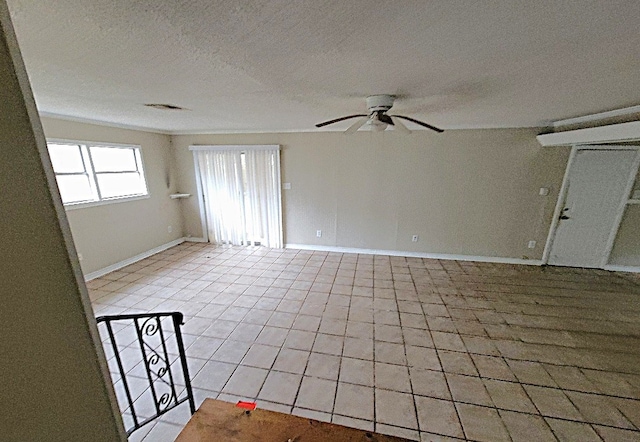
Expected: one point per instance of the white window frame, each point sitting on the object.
(85, 150)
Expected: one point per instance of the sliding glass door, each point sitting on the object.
(241, 194)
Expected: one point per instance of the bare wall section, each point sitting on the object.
(111, 233)
(464, 192)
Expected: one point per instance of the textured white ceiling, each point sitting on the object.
(284, 65)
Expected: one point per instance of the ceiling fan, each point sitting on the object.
(377, 117)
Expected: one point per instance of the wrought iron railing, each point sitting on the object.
(148, 386)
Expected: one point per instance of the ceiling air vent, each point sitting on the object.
(163, 106)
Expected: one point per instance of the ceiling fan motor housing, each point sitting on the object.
(376, 103)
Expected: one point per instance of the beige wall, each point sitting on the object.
(465, 192)
(53, 381)
(110, 233)
(626, 249)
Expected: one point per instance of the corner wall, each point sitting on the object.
(464, 192)
(55, 383)
(113, 232)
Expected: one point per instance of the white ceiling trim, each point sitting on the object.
(248, 132)
(599, 116)
(313, 130)
(604, 134)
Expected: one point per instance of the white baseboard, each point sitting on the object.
(496, 259)
(617, 268)
(133, 259)
(194, 239)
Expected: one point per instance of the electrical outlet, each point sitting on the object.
(531, 245)
(170, 229)
(414, 238)
(286, 186)
(79, 256)
(319, 233)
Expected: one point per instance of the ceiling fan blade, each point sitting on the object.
(326, 123)
(357, 125)
(386, 119)
(400, 127)
(428, 126)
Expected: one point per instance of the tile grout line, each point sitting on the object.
(446, 380)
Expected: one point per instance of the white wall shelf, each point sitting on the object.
(175, 196)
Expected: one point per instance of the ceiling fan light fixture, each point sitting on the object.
(377, 125)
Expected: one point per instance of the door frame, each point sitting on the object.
(563, 194)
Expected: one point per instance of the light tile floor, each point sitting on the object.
(425, 349)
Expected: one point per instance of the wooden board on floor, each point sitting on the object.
(223, 421)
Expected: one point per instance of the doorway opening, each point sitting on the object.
(591, 203)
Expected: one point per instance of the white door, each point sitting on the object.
(597, 185)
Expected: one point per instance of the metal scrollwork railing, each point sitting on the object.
(152, 332)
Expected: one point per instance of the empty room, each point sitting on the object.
(321, 220)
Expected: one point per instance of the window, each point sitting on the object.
(90, 172)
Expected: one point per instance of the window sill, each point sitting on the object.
(105, 202)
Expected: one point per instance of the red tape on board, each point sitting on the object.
(246, 405)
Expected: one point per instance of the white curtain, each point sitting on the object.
(262, 196)
(242, 195)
